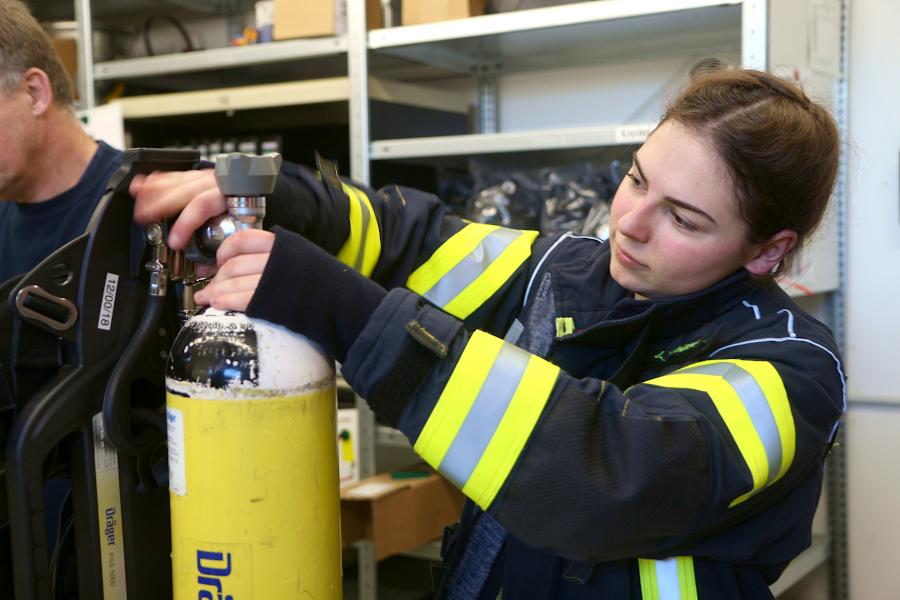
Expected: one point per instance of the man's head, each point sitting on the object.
(25, 45)
(43, 149)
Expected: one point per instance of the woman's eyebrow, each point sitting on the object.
(669, 199)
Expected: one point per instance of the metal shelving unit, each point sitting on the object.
(586, 32)
(503, 143)
(602, 30)
(221, 58)
(296, 93)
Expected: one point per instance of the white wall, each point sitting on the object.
(873, 289)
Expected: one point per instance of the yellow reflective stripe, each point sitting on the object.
(773, 387)
(735, 416)
(362, 249)
(447, 256)
(493, 278)
(687, 581)
(649, 587)
(763, 424)
(565, 326)
(349, 251)
(462, 388)
(668, 579)
(373, 237)
(512, 433)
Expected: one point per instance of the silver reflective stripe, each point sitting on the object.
(754, 400)
(667, 579)
(469, 268)
(514, 332)
(366, 217)
(485, 414)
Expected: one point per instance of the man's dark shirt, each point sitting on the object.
(28, 234)
(31, 232)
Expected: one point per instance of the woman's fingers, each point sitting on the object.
(229, 294)
(232, 301)
(247, 241)
(242, 264)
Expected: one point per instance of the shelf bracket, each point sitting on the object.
(488, 102)
(357, 72)
(85, 53)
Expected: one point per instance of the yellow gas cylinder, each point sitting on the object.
(253, 473)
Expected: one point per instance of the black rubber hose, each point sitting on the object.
(117, 413)
(188, 45)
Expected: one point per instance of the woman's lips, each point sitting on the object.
(626, 259)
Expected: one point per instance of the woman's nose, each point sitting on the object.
(636, 223)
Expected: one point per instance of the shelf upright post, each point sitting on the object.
(839, 583)
(357, 70)
(487, 97)
(85, 53)
(754, 34)
(357, 73)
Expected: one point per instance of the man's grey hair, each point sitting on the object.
(23, 45)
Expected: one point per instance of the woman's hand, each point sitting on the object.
(161, 195)
(241, 260)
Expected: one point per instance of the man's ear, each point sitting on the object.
(765, 256)
(39, 90)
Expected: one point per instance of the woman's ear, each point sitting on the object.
(765, 257)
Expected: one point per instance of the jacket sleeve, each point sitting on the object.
(402, 237)
(579, 466)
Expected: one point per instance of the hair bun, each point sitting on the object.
(706, 65)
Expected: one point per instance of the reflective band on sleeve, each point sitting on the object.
(471, 266)
(751, 399)
(485, 415)
(363, 246)
(669, 579)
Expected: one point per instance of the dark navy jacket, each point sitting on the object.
(614, 448)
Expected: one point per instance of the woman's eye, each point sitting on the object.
(681, 221)
(634, 180)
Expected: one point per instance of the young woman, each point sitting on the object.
(643, 418)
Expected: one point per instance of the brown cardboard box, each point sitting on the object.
(316, 18)
(398, 514)
(428, 11)
(67, 51)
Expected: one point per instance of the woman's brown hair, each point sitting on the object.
(780, 148)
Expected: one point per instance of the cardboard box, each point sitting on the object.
(499, 6)
(428, 11)
(67, 51)
(317, 18)
(399, 514)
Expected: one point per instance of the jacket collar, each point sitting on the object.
(613, 317)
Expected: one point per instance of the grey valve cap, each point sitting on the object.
(247, 174)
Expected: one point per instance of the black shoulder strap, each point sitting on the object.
(330, 177)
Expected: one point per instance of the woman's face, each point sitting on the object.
(674, 227)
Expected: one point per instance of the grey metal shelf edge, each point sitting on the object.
(517, 141)
(515, 38)
(218, 58)
(602, 29)
(808, 561)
